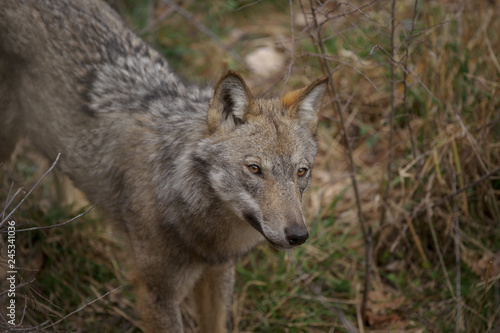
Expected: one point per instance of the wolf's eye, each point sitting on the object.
(254, 169)
(301, 172)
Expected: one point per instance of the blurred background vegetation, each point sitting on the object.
(409, 133)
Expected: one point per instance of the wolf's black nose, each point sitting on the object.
(296, 235)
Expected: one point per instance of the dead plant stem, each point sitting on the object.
(29, 192)
(58, 224)
(408, 110)
(417, 212)
(204, 29)
(292, 46)
(338, 107)
(391, 118)
(484, 295)
(457, 253)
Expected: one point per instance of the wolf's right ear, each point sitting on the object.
(230, 104)
(305, 103)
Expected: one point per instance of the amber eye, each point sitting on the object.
(254, 169)
(301, 172)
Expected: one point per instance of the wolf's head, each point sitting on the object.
(259, 155)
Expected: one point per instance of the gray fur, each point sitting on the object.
(167, 161)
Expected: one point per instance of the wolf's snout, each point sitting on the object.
(296, 235)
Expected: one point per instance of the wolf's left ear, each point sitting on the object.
(230, 104)
(306, 102)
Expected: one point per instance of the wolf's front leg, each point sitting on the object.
(162, 281)
(160, 293)
(212, 295)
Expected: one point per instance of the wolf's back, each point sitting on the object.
(77, 28)
(76, 81)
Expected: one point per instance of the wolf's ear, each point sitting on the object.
(230, 104)
(305, 103)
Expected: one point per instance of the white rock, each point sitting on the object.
(265, 61)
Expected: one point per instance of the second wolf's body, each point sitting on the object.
(196, 177)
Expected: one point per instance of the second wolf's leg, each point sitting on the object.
(212, 296)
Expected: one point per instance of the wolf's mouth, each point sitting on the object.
(279, 247)
(254, 222)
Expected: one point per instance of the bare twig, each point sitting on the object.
(440, 254)
(200, 26)
(406, 70)
(44, 326)
(289, 70)
(497, 295)
(19, 286)
(317, 39)
(339, 109)
(356, 10)
(337, 311)
(391, 117)
(58, 224)
(29, 192)
(457, 253)
(368, 269)
(408, 110)
(417, 241)
(417, 212)
(8, 200)
(343, 63)
(247, 5)
(153, 22)
(484, 295)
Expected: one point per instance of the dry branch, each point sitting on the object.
(318, 40)
(29, 192)
(58, 224)
(391, 117)
(457, 254)
(45, 325)
(419, 211)
(204, 29)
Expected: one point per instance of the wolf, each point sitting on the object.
(195, 177)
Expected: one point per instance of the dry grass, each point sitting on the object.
(446, 137)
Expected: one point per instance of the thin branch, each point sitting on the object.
(7, 205)
(19, 286)
(289, 70)
(58, 224)
(43, 326)
(337, 311)
(331, 58)
(407, 70)
(368, 269)
(417, 212)
(152, 23)
(457, 253)
(247, 5)
(484, 295)
(333, 90)
(339, 109)
(440, 254)
(188, 16)
(391, 117)
(356, 10)
(405, 77)
(8, 200)
(28, 194)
